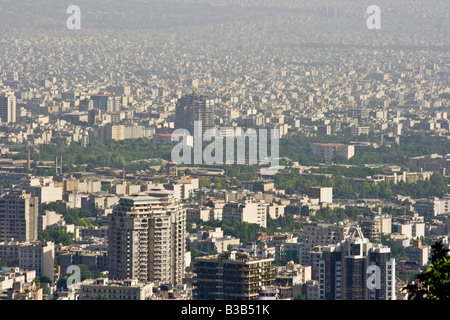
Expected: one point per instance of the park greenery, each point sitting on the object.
(4, 262)
(116, 154)
(42, 279)
(349, 188)
(334, 215)
(345, 176)
(299, 148)
(99, 154)
(57, 236)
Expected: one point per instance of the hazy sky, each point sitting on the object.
(403, 22)
(398, 14)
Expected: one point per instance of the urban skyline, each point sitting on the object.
(327, 176)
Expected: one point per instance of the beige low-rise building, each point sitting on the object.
(418, 252)
(129, 289)
(34, 255)
(246, 211)
(214, 241)
(292, 274)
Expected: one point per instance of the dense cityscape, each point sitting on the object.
(350, 201)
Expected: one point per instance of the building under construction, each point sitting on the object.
(232, 275)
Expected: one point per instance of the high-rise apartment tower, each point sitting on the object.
(146, 238)
(7, 107)
(18, 216)
(194, 109)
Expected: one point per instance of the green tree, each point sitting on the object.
(57, 236)
(286, 223)
(119, 160)
(204, 182)
(434, 282)
(195, 253)
(86, 273)
(399, 253)
(62, 283)
(219, 183)
(42, 279)
(9, 262)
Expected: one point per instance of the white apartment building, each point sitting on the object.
(129, 289)
(432, 207)
(146, 237)
(412, 227)
(8, 107)
(330, 150)
(89, 186)
(323, 194)
(39, 256)
(246, 211)
(48, 218)
(200, 213)
(292, 274)
(319, 234)
(47, 193)
(274, 210)
(35, 255)
(11, 275)
(214, 241)
(184, 187)
(418, 252)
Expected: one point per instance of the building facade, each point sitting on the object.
(115, 290)
(319, 234)
(374, 225)
(18, 216)
(107, 102)
(356, 269)
(232, 275)
(246, 211)
(146, 237)
(39, 256)
(8, 107)
(194, 108)
(330, 150)
(324, 194)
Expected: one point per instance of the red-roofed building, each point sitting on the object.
(260, 236)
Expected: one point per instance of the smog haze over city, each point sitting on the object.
(195, 150)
